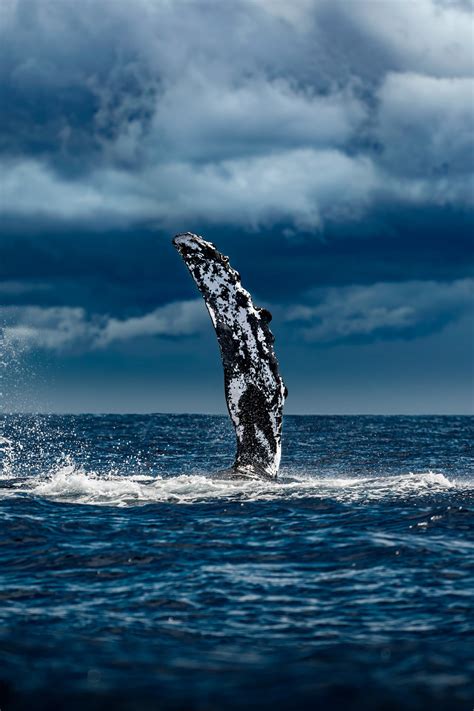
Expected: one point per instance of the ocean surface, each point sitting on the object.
(132, 578)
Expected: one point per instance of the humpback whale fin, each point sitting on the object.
(254, 389)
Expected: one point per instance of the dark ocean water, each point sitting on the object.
(130, 578)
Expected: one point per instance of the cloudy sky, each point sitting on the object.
(326, 146)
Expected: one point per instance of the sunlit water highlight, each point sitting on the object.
(133, 577)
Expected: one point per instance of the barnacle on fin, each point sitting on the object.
(265, 315)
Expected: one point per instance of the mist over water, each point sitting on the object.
(132, 577)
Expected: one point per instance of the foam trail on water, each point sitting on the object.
(71, 483)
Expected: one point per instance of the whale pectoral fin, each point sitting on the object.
(254, 390)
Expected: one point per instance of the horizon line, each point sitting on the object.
(216, 414)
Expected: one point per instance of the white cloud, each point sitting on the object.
(383, 310)
(213, 119)
(437, 115)
(423, 36)
(301, 185)
(182, 318)
(50, 328)
(64, 328)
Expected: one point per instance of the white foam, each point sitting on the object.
(7, 454)
(71, 483)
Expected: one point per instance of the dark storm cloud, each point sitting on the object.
(245, 113)
(127, 272)
(100, 290)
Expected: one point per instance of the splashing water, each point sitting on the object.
(7, 457)
(71, 483)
